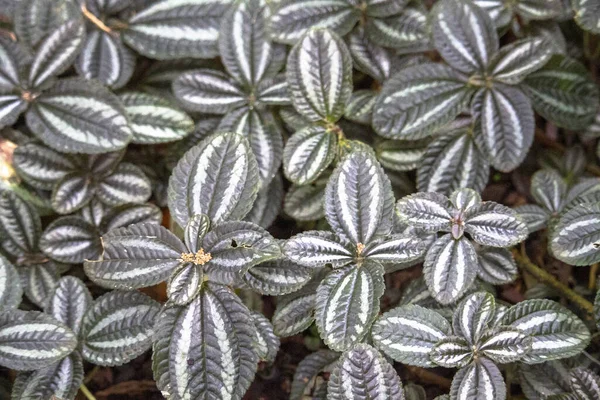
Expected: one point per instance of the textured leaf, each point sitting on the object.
(507, 125)
(10, 286)
(308, 153)
(11, 106)
(208, 350)
(496, 266)
(274, 91)
(408, 334)
(347, 303)
(19, 221)
(39, 280)
(78, 116)
(40, 166)
(69, 302)
(418, 100)
(363, 373)
(277, 277)
(294, 18)
(59, 380)
(359, 202)
(492, 224)
(71, 193)
(317, 248)
(31, 340)
(480, 380)
(473, 315)
(266, 343)
(452, 162)
(71, 240)
(360, 106)
(450, 268)
(549, 190)
(9, 67)
(574, 239)
(56, 53)
(137, 256)
(540, 381)
(176, 29)
(585, 384)
(247, 53)
(154, 120)
(395, 249)
(195, 230)
(556, 331)
(428, 211)
(118, 327)
(563, 93)
(106, 59)
(401, 155)
(534, 216)
(408, 31)
(452, 352)
(127, 184)
(35, 19)
(184, 283)
(464, 35)
(319, 75)
(208, 91)
(505, 344)
(218, 178)
(515, 61)
(369, 57)
(306, 376)
(121, 217)
(587, 15)
(267, 205)
(305, 203)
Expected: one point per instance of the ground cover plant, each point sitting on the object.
(299, 199)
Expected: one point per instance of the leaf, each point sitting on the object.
(40, 166)
(549, 190)
(140, 255)
(359, 201)
(127, 184)
(308, 153)
(71, 240)
(11, 107)
(11, 291)
(208, 91)
(492, 224)
(154, 120)
(401, 155)
(184, 283)
(464, 35)
(450, 268)
(408, 334)
(496, 266)
(274, 91)
(452, 352)
(235, 247)
(473, 315)
(305, 203)
(218, 177)
(368, 56)
(79, 116)
(407, 31)
(307, 373)
(534, 216)
(452, 162)
(69, 302)
(574, 238)
(209, 347)
(586, 15)
(505, 344)
(19, 221)
(556, 332)
(121, 217)
(31, 340)
(295, 18)
(428, 211)
(563, 93)
(515, 61)
(540, 381)
(266, 343)
(71, 193)
(480, 380)
(35, 19)
(397, 248)
(295, 311)
(170, 30)
(195, 230)
(507, 125)
(319, 75)
(363, 373)
(106, 59)
(245, 49)
(9, 68)
(418, 100)
(277, 277)
(360, 106)
(317, 248)
(118, 328)
(56, 53)
(347, 303)
(585, 384)
(39, 280)
(60, 380)
(268, 204)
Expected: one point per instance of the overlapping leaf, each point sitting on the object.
(10, 286)
(576, 236)
(308, 153)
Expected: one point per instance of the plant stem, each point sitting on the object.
(593, 276)
(429, 377)
(544, 277)
(86, 392)
(94, 20)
